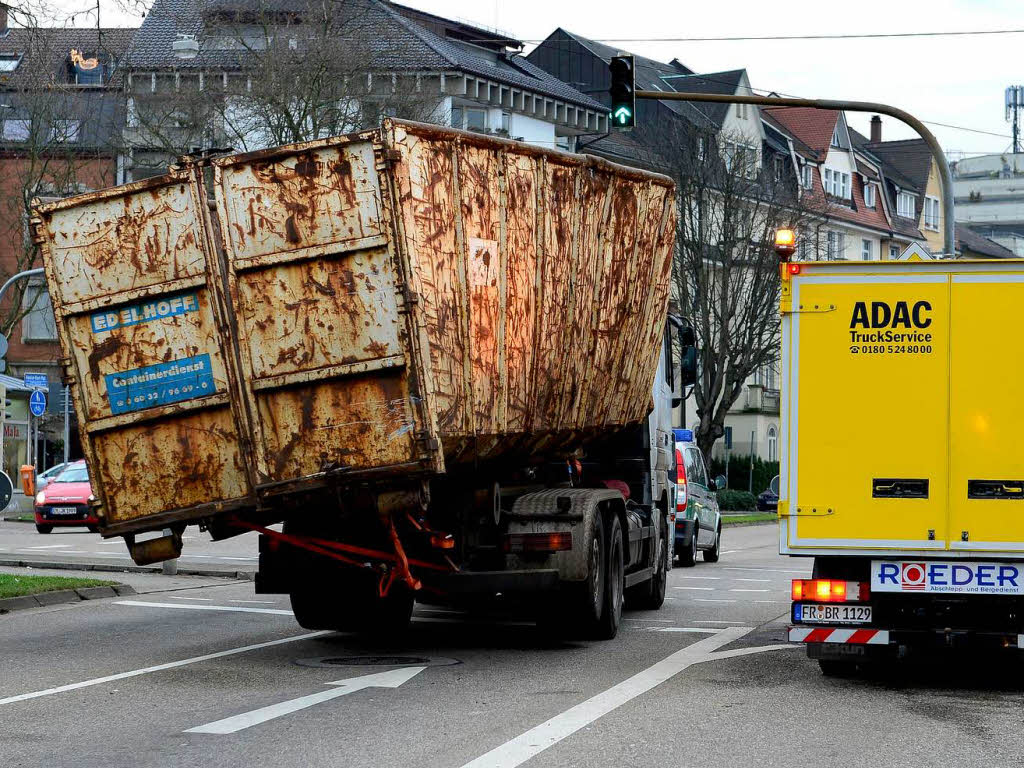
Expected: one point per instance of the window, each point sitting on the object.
(773, 444)
(803, 248)
(780, 167)
(866, 250)
(701, 147)
(836, 245)
(506, 122)
(869, 195)
(458, 118)
(9, 61)
(905, 205)
(931, 213)
(835, 136)
(38, 324)
(695, 468)
(88, 70)
(837, 184)
(17, 130)
(65, 131)
(740, 158)
(807, 176)
(476, 120)
(894, 252)
(765, 376)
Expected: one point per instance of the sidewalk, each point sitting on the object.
(216, 570)
(142, 583)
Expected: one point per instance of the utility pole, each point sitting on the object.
(1014, 104)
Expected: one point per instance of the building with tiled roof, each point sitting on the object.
(462, 74)
(61, 113)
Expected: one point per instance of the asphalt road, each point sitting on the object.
(74, 545)
(219, 676)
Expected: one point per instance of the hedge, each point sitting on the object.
(739, 472)
(736, 501)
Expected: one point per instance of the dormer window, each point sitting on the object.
(869, 195)
(87, 69)
(9, 61)
(835, 136)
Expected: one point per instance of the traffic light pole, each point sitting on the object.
(945, 177)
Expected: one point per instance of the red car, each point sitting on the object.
(65, 500)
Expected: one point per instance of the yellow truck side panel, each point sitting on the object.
(986, 495)
(866, 413)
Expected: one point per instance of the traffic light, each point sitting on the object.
(4, 404)
(623, 92)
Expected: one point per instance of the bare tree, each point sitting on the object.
(289, 72)
(726, 273)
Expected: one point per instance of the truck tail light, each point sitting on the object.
(829, 591)
(538, 542)
(680, 484)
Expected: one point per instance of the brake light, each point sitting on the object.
(538, 542)
(680, 483)
(830, 591)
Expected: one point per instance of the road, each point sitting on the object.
(219, 676)
(19, 542)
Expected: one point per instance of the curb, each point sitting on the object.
(749, 525)
(61, 596)
(111, 568)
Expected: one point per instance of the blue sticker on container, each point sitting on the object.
(143, 312)
(160, 384)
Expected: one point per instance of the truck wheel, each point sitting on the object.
(688, 554)
(712, 555)
(650, 595)
(351, 605)
(44, 528)
(608, 624)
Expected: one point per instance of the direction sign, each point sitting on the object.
(37, 402)
(37, 381)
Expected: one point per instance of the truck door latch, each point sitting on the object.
(899, 488)
(995, 489)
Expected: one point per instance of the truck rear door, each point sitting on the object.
(986, 494)
(866, 355)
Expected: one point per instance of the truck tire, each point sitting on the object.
(688, 554)
(650, 595)
(712, 555)
(614, 579)
(352, 607)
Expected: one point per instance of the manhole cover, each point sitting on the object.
(377, 661)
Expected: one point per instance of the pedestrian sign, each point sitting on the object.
(37, 402)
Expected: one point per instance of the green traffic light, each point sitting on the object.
(622, 115)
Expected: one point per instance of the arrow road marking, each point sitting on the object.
(391, 679)
(534, 741)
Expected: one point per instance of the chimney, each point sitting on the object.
(876, 129)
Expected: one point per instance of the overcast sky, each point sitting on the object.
(954, 80)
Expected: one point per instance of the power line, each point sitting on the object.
(752, 38)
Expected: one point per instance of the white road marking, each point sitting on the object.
(747, 651)
(730, 552)
(702, 589)
(200, 599)
(765, 570)
(390, 679)
(765, 581)
(238, 608)
(261, 602)
(159, 667)
(750, 590)
(712, 600)
(534, 741)
(45, 546)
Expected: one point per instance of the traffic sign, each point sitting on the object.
(37, 402)
(37, 381)
(6, 490)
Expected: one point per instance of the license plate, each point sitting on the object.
(63, 510)
(832, 614)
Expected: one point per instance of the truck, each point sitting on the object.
(901, 473)
(441, 360)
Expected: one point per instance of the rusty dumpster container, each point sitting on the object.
(356, 310)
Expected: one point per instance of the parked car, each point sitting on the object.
(698, 521)
(65, 500)
(43, 478)
(768, 500)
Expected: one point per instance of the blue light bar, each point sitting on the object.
(683, 435)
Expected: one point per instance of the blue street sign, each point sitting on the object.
(36, 381)
(37, 402)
